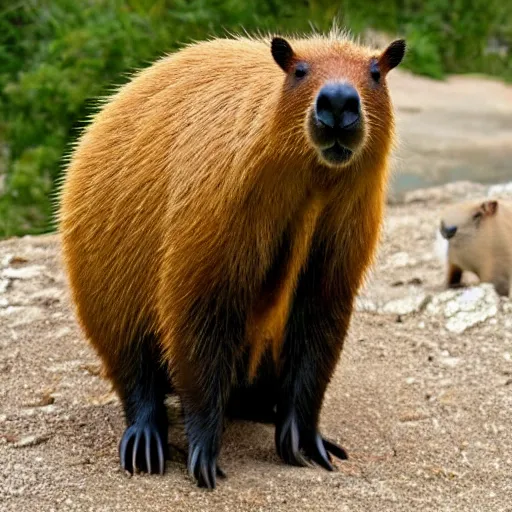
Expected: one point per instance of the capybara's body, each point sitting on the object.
(217, 219)
(479, 240)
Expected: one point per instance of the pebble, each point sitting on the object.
(30, 272)
(31, 441)
(4, 284)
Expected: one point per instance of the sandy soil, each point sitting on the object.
(425, 413)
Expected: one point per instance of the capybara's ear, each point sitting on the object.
(282, 53)
(489, 208)
(392, 55)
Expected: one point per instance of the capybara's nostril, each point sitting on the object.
(448, 231)
(338, 106)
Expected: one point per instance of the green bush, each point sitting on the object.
(58, 56)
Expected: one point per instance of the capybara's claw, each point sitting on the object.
(301, 446)
(335, 449)
(202, 465)
(142, 449)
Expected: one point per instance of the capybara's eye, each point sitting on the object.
(375, 71)
(301, 70)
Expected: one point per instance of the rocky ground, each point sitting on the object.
(422, 398)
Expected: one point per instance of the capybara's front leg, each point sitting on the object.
(204, 373)
(453, 276)
(311, 350)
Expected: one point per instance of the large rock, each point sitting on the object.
(465, 308)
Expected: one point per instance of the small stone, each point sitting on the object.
(4, 284)
(400, 259)
(11, 259)
(412, 416)
(43, 400)
(92, 368)
(407, 305)
(22, 273)
(449, 361)
(31, 441)
(365, 305)
(19, 315)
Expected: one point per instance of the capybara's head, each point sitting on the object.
(339, 88)
(461, 221)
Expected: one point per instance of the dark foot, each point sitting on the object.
(143, 448)
(202, 464)
(299, 446)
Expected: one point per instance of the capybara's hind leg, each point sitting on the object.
(142, 383)
(203, 378)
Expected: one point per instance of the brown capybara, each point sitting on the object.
(478, 238)
(217, 218)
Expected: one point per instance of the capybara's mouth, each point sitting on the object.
(336, 146)
(337, 154)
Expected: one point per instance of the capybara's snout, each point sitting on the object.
(447, 231)
(338, 107)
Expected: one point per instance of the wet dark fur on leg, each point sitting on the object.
(316, 330)
(142, 383)
(204, 380)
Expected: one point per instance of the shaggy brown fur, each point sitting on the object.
(203, 228)
(480, 242)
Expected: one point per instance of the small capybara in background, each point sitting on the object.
(217, 218)
(478, 238)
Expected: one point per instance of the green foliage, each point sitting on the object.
(58, 56)
(443, 36)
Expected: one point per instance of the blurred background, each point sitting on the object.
(58, 56)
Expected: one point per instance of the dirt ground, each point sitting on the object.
(424, 412)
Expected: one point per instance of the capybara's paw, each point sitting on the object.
(143, 448)
(300, 446)
(202, 464)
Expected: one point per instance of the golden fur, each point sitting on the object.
(143, 212)
(198, 187)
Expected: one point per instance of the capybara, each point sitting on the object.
(218, 216)
(478, 236)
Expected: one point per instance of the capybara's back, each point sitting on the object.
(225, 194)
(157, 139)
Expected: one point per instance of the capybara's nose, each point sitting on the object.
(448, 231)
(338, 106)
